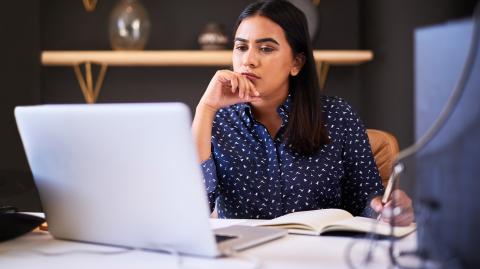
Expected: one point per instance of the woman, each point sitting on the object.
(269, 142)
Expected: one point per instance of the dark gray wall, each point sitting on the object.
(20, 85)
(387, 82)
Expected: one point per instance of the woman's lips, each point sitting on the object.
(252, 77)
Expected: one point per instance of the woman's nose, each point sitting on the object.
(250, 58)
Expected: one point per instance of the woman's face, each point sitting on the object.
(262, 54)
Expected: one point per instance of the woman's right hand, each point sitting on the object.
(227, 88)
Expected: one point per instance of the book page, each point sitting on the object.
(361, 224)
(308, 220)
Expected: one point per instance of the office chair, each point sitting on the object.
(385, 149)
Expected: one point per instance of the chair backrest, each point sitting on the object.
(385, 149)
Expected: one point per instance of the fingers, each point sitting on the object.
(227, 79)
(376, 204)
(228, 87)
(398, 216)
(398, 211)
(401, 199)
(234, 83)
(243, 87)
(247, 89)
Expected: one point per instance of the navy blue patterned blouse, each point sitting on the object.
(252, 175)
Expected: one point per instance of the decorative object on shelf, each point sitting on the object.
(129, 26)
(213, 37)
(90, 5)
(310, 9)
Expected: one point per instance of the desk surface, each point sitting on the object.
(39, 250)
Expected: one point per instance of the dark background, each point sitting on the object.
(381, 91)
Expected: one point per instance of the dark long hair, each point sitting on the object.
(305, 130)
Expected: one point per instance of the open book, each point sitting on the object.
(322, 221)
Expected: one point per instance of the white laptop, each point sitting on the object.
(125, 175)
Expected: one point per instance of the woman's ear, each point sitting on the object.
(298, 63)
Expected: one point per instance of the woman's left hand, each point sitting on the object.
(401, 215)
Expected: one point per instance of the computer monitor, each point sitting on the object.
(445, 174)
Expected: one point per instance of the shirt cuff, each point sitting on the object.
(210, 175)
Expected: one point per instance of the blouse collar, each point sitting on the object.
(283, 110)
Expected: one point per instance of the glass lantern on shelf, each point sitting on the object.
(129, 26)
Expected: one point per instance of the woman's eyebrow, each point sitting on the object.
(267, 39)
(261, 40)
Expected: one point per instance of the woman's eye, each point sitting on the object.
(266, 49)
(241, 47)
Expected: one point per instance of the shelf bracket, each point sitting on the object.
(86, 82)
(322, 72)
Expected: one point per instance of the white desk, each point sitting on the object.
(292, 251)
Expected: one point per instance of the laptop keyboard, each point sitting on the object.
(220, 238)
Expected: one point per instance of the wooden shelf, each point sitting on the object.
(323, 60)
(183, 57)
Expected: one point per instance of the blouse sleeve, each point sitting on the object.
(210, 179)
(362, 180)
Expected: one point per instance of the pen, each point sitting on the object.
(398, 168)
